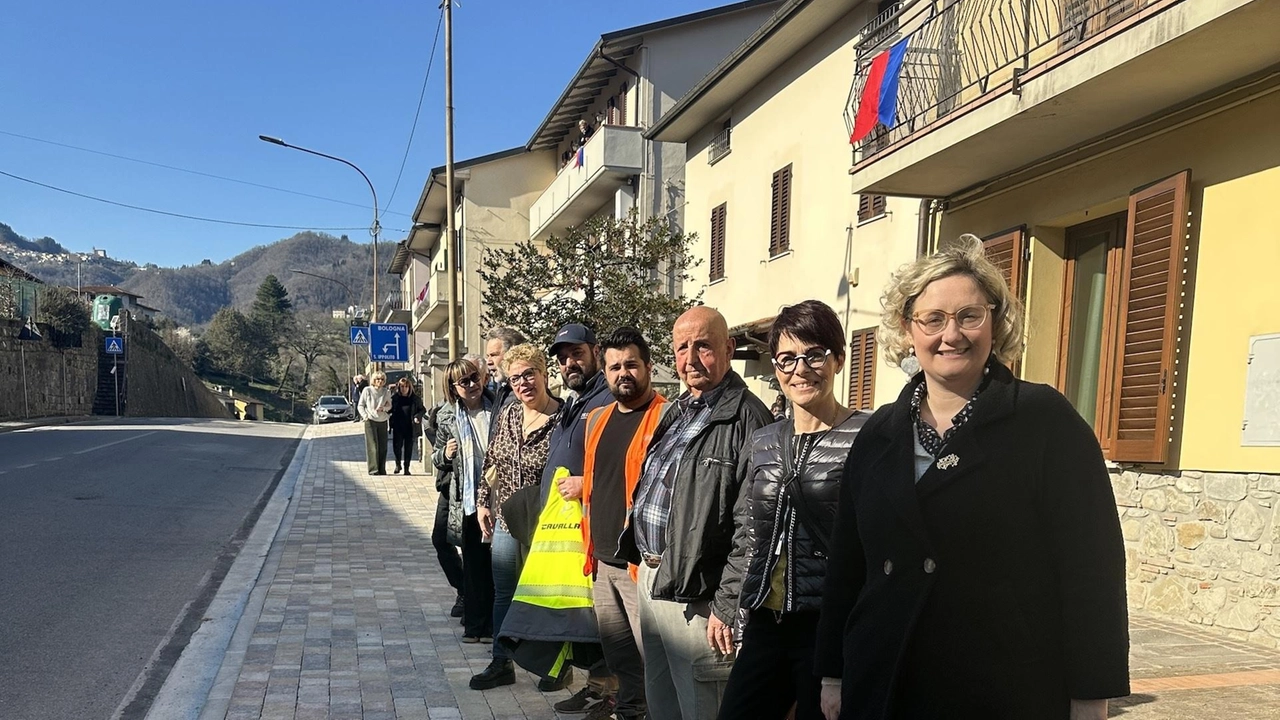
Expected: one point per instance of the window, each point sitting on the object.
(1122, 302)
(862, 369)
(720, 144)
(780, 213)
(870, 206)
(718, 217)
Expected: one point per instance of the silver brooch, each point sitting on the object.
(948, 462)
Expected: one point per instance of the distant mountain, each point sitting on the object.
(191, 294)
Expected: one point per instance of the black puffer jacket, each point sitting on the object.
(765, 515)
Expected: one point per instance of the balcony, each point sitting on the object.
(991, 86)
(608, 161)
(431, 312)
(395, 307)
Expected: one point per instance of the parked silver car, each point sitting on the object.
(330, 408)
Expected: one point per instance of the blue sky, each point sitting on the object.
(193, 84)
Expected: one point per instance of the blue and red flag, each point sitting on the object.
(879, 102)
(580, 157)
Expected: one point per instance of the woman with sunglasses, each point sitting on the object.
(406, 423)
(784, 514)
(977, 567)
(462, 439)
(516, 457)
(374, 409)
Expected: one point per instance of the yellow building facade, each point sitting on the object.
(765, 142)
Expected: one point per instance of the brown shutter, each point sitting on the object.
(1008, 252)
(862, 369)
(1147, 323)
(780, 214)
(864, 208)
(718, 217)
(622, 105)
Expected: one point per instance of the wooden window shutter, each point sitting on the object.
(1146, 328)
(718, 220)
(1008, 252)
(870, 206)
(622, 105)
(780, 214)
(862, 369)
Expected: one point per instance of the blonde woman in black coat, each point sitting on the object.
(783, 515)
(977, 566)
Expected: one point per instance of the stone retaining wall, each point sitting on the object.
(1200, 547)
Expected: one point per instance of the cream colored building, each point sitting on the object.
(494, 193)
(1124, 160)
(768, 192)
(626, 83)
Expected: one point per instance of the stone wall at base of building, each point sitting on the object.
(1200, 547)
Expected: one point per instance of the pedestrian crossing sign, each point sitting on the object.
(359, 335)
(115, 345)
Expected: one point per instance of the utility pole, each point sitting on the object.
(450, 237)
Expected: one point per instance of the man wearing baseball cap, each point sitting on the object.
(578, 355)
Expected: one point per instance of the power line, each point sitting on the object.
(188, 171)
(173, 214)
(430, 61)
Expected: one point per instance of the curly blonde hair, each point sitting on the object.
(528, 354)
(963, 257)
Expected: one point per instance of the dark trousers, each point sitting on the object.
(375, 446)
(402, 442)
(616, 601)
(450, 563)
(774, 669)
(477, 581)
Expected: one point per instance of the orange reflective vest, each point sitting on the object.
(596, 422)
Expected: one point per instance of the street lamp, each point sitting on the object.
(373, 229)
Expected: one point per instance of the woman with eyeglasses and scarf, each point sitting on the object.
(462, 439)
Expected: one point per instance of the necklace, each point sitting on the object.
(538, 415)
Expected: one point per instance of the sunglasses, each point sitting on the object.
(469, 381)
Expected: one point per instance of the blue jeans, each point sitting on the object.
(508, 559)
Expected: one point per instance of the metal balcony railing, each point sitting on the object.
(959, 49)
(394, 300)
(719, 146)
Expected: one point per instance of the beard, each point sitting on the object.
(576, 380)
(628, 389)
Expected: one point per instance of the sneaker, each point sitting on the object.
(499, 673)
(470, 639)
(549, 684)
(585, 700)
(456, 611)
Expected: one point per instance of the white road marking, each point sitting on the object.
(115, 442)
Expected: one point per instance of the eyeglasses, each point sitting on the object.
(525, 378)
(933, 322)
(469, 381)
(813, 359)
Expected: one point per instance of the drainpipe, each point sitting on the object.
(600, 54)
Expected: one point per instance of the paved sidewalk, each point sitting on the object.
(355, 622)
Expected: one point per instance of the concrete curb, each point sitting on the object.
(16, 425)
(187, 689)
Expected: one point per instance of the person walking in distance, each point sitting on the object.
(407, 412)
(358, 384)
(617, 436)
(515, 458)
(462, 438)
(680, 530)
(375, 411)
(784, 514)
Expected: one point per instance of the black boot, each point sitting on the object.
(397, 470)
(550, 684)
(456, 611)
(499, 673)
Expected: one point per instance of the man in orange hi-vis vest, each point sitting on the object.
(617, 437)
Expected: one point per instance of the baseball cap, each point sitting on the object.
(573, 334)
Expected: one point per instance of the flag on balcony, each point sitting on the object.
(422, 294)
(879, 102)
(580, 157)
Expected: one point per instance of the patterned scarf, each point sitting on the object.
(471, 452)
(930, 440)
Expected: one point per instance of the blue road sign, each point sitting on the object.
(388, 342)
(359, 335)
(114, 345)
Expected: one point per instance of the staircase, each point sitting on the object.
(104, 402)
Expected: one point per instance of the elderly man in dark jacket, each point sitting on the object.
(681, 527)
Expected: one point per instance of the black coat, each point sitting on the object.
(700, 531)
(993, 587)
(406, 413)
(766, 514)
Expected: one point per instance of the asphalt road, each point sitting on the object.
(107, 532)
